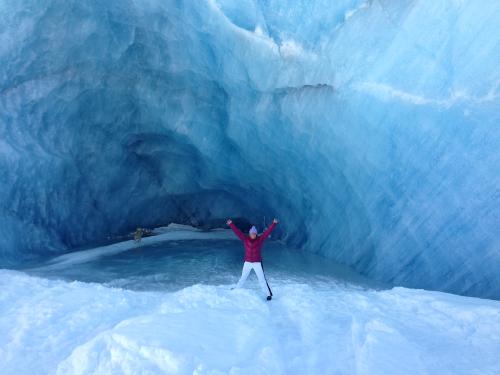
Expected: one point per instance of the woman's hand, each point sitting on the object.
(275, 221)
(229, 221)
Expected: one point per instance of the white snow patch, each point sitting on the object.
(56, 327)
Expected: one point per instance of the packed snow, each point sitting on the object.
(165, 306)
(319, 327)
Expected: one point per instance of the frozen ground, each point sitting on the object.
(166, 307)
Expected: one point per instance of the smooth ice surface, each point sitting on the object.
(142, 314)
(183, 256)
(369, 127)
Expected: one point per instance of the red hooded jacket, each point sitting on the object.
(253, 247)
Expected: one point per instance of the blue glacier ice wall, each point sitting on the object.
(369, 127)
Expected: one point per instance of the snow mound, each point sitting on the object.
(55, 327)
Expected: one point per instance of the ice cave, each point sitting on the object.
(369, 128)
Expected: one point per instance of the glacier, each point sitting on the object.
(370, 128)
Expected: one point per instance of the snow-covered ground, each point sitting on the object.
(132, 322)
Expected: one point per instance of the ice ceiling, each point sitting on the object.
(370, 128)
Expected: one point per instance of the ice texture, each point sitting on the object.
(370, 128)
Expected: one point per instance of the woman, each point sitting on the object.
(253, 260)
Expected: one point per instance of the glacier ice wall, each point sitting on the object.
(369, 127)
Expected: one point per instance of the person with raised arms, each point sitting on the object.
(253, 260)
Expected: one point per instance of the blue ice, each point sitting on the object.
(370, 128)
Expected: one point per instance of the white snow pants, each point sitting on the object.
(257, 267)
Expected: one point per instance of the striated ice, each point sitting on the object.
(370, 128)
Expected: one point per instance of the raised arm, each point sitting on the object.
(235, 229)
(269, 230)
